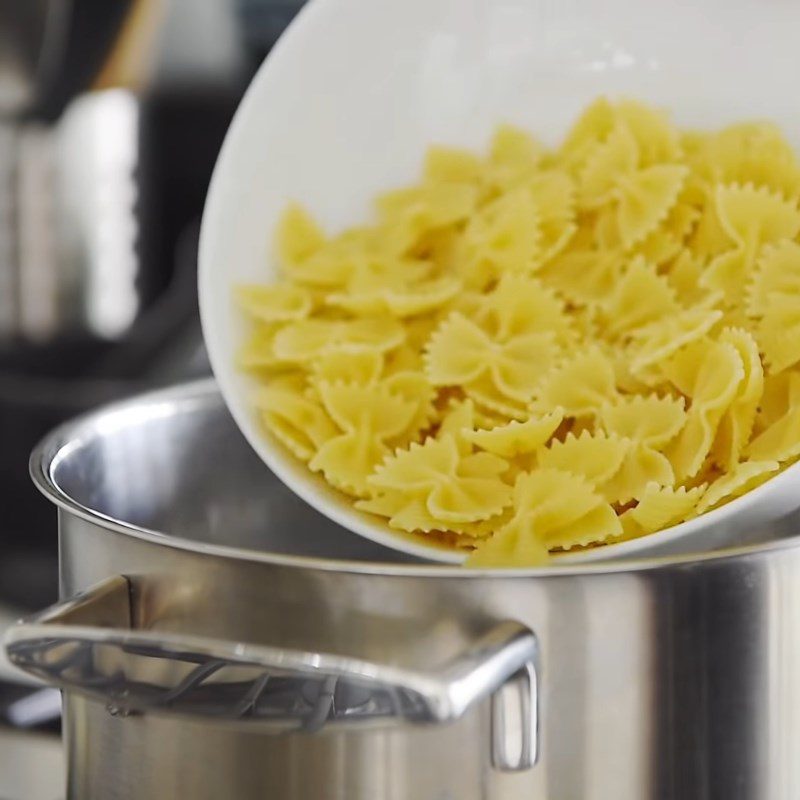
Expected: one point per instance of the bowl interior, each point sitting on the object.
(355, 92)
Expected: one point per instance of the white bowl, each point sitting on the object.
(356, 90)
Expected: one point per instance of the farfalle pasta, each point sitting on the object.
(536, 349)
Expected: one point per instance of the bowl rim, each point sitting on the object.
(58, 444)
(280, 462)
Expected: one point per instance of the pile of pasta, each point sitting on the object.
(534, 350)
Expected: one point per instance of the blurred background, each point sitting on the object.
(111, 116)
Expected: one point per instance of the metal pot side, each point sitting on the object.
(641, 681)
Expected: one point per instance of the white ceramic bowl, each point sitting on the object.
(356, 90)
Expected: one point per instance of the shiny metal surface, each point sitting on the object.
(665, 680)
(69, 233)
(88, 644)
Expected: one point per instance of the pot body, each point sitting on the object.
(671, 681)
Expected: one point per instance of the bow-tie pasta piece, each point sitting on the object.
(594, 456)
(779, 436)
(455, 488)
(709, 373)
(737, 423)
(521, 305)
(752, 217)
(452, 165)
(511, 546)
(777, 272)
(460, 353)
(645, 198)
(503, 236)
(514, 157)
(520, 363)
(517, 438)
(751, 152)
(331, 263)
(683, 274)
(308, 339)
(414, 387)
(628, 382)
(659, 247)
(777, 332)
(406, 215)
(656, 139)
(489, 400)
(300, 423)
(404, 512)
(641, 466)
(554, 195)
(553, 509)
(618, 155)
(781, 393)
(375, 272)
(367, 417)
(660, 507)
(649, 419)
(742, 478)
(399, 301)
(655, 343)
(256, 354)
(456, 353)
(458, 421)
(581, 386)
(297, 238)
(709, 238)
(605, 231)
(590, 129)
(640, 297)
(584, 276)
(279, 303)
(362, 368)
(409, 513)
(667, 241)
(780, 441)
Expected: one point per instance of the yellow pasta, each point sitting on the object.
(278, 303)
(455, 488)
(521, 305)
(660, 507)
(752, 217)
(595, 456)
(531, 350)
(367, 416)
(553, 509)
(642, 466)
(460, 353)
(777, 272)
(736, 425)
(649, 419)
(736, 482)
(581, 386)
(781, 440)
(516, 438)
(641, 296)
(709, 373)
(299, 422)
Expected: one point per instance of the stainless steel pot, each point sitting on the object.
(211, 646)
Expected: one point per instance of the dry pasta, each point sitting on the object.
(536, 349)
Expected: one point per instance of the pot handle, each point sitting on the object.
(88, 644)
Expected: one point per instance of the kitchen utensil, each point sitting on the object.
(214, 642)
(355, 92)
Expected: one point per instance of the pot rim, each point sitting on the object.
(59, 442)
